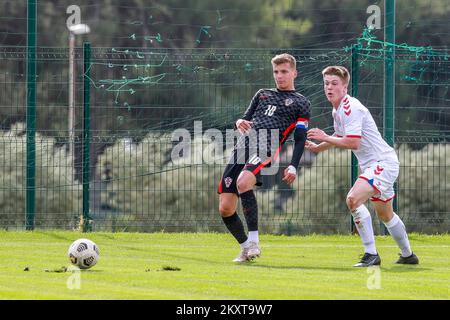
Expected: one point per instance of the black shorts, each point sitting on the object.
(252, 163)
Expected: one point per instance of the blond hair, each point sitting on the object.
(339, 71)
(284, 58)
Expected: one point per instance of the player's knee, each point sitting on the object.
(352, 202)
(385, 215)
(226, 209)
(244, 184)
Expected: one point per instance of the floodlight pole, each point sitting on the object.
(78, 29)
(86, 221)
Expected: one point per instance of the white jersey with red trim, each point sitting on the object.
(353, 120)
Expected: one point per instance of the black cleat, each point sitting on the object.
(412, 259)
(369, 260)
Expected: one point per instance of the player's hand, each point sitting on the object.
(290, 173)
(317, 134)
(243, 126)
(311, 146)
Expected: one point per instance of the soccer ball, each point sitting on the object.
(83, 253)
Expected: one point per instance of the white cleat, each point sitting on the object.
(242, 257)
(253, 251)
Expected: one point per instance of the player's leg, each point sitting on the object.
(227, 209)
(245, 184)
(397, 230)
(228, 199)
(384, 175)
(357, 196)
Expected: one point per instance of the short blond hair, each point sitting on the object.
(284, 58)
(339, 71)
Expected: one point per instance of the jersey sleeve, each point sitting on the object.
(252, 106)
(301, 127)
(353, 119)
(304, 114)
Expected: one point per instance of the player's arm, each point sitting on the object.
(316, 148)
(301, 129)
(290, 173)
(348, 142)
(352, 128)
(244, 124)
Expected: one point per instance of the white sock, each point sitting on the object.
(253, 236)
(363, 222)
(245, 244)
(398, 231)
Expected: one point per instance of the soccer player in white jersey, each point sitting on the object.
(355, 129)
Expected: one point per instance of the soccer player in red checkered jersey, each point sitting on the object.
(273, 114)
(355, 129)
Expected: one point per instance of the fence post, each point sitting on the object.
(87, 220)
(31, 115)
(389, 83)
(354, 93)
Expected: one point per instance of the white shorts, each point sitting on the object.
(381, 175)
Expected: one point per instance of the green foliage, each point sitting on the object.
(424, 185)
(132, 168)
(199, 83)
(318, 204)
(152, 193)
(146, 191)
(58, 195)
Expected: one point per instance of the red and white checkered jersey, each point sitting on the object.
(353, 120)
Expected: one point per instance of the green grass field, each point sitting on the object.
(131, 266)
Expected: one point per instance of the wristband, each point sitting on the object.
(292, 170)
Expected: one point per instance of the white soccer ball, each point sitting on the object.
(84, 253)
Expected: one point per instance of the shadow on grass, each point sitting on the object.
(203, 260)
(259, 265)
(404, 269)
(131, 248)
(68, 270)
(394, 269)
(299, 267)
